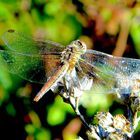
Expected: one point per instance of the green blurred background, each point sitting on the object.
(111, 26)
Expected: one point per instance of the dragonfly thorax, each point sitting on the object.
(72, 53)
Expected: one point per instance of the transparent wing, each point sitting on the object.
(112, 74)
(30, 67)
(22, 43)
(121, 65)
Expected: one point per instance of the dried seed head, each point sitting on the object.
(121, 123)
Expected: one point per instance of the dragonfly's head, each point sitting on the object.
(79, 46)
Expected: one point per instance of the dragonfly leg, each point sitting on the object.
(77, 105)
(63, 90)
(80, 69)
(65, 93)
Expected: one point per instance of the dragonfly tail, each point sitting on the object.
(39, 96)
(54, 79)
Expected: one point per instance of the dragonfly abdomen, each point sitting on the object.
(54, 79)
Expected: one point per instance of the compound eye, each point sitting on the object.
(79, 43)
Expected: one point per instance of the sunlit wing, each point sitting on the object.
(121, 65)
(24, 44)
(101, 79)
(31, 59)
(107, 71)
(30, 67)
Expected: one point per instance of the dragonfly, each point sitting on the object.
(73, 67)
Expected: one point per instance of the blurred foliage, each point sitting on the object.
(111, 26)
(57, 115)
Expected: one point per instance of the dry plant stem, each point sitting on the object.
(133, 114)
(122, 39)
(74, 101)
(136, 120)
(74, 104)
(130, 115)
(76, 110)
